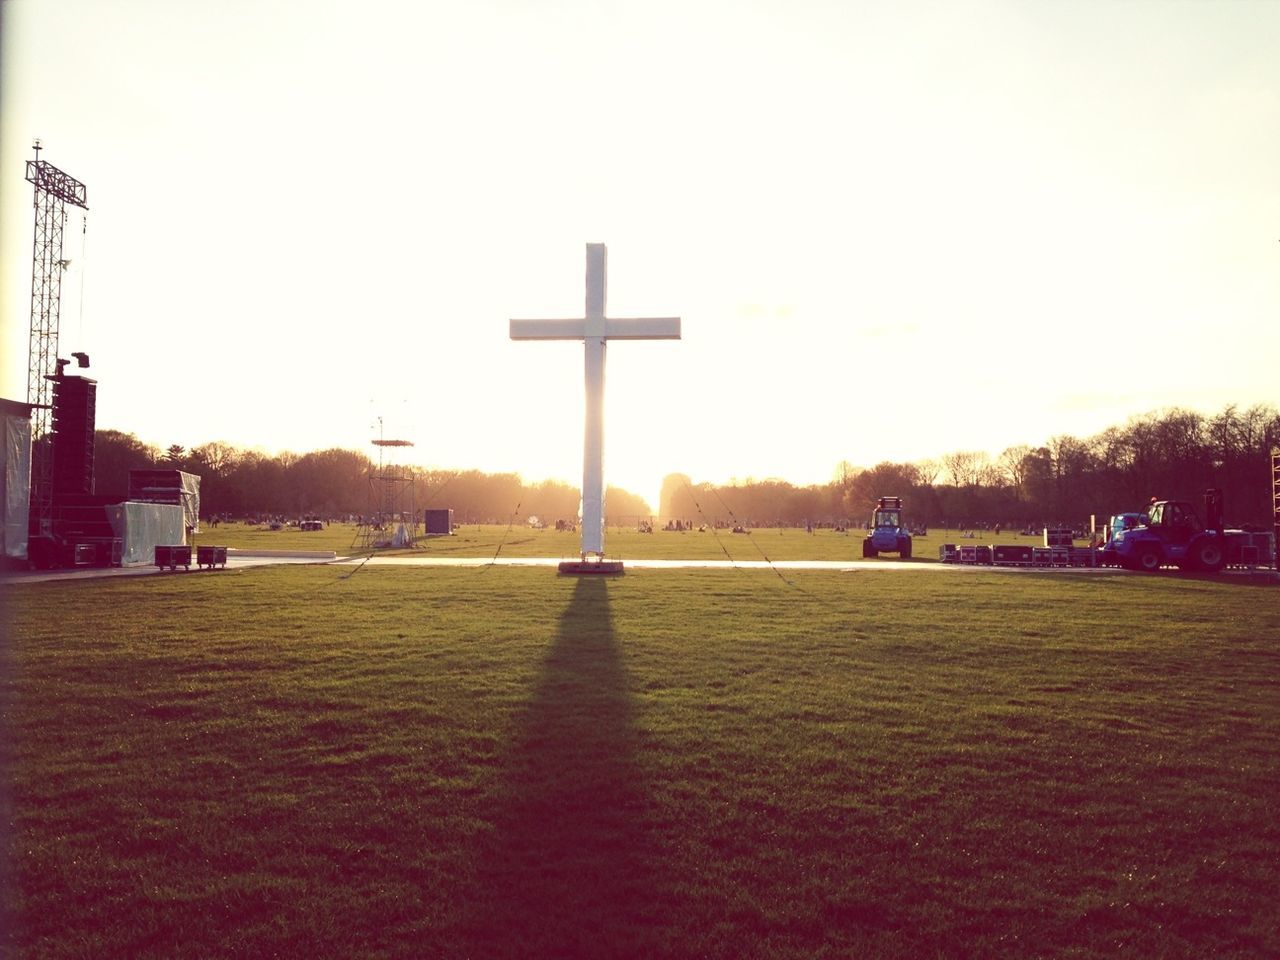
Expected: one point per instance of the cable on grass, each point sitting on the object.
(359, 567)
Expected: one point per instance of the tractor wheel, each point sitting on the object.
(904, 548)
(867, 549)
(1149, 559)
(1207, 556)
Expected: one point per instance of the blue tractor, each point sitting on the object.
(888, 533)
(1119, 523)
(1174, 535)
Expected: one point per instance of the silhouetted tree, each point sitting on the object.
(1174, 453)
(115, 454)
(673, 499)
(555, 500)
(622, 506)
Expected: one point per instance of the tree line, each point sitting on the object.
(1171, 454)
(339, 483)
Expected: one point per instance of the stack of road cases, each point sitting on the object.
(168, 486)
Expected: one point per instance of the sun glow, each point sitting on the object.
(890, 232)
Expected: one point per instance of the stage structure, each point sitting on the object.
(391, 520)
(594, 330)
(54, 192)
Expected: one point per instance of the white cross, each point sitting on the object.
(594, 330)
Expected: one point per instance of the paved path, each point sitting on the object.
(640, 564)
(848, 566)
(97, 573)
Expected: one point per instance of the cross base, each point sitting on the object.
(599, 567)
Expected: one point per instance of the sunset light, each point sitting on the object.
(892, 231)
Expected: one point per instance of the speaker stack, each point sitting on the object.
(75, 401)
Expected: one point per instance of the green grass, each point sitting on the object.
(337, 537)
(453, 763)
(471, 540)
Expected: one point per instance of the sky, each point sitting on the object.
(891, 230)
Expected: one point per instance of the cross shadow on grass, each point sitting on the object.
(566, 871)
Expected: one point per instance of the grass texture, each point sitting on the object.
(311, 762)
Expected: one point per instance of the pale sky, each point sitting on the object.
(892, 230)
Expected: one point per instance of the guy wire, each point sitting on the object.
(711, 526)
(501, 543)
(84, 273)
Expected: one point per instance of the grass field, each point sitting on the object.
(473, 540)
(504, 763)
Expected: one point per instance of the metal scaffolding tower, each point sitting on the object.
(54, 190)
(393, 507)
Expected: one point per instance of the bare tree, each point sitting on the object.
(967, 468)
(1012, 467)
(927, 472)
(216, 456)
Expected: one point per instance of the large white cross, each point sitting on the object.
(594, 329)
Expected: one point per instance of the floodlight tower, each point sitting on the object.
(392, 497)
(53, 191)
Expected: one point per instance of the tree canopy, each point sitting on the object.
(1174, 453)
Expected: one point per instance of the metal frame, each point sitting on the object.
(54, 190)
(390, 486)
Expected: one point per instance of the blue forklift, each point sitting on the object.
(887, 533)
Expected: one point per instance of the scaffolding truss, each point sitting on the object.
(392, 517)
(54, 191)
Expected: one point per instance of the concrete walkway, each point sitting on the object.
(238, 561)
(641, 564)
(242, 561)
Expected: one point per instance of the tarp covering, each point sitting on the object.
(15, 478)
(143, 526)
(168, 486)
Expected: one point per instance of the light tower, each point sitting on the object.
(54, 190)
(392, 501)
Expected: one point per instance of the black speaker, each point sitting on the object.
(75, 401)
